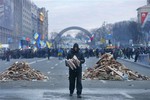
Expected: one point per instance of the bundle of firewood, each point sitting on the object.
(107, 68)
(21, 71)
(73, 63)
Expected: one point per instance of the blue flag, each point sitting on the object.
(38, 41)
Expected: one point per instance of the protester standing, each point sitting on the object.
(48, 53)
(75, 75)
(137, 52)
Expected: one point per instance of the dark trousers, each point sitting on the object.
(8, 59)
(136, 58)
(48, 57)
(75, 76)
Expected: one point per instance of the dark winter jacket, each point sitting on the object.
(77, 53)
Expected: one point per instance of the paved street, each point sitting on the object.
(31, 30)
(56, 88)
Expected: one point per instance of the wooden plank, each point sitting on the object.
(117, 72)
(130, 72)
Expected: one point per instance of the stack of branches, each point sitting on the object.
(73, 63)
(107, 68)
(22, 71)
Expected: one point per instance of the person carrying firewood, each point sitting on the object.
(75, 75)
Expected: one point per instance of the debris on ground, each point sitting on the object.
(22, 71)
(107, 68)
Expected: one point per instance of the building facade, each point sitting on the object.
(17, 23)
(6, 21)
(143, 13)
(19, 20)
(148, 2)
(144, 20)
(34, 12)
(26, 19)
(43, 23)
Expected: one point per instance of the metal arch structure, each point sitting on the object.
(71, 28)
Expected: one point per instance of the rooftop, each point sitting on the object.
(145, 6)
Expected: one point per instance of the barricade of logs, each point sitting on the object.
(22, 71)
(107, 68)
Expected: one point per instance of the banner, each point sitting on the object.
(143, 17)
(108, 36)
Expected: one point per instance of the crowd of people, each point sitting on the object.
(131, 53)
(126, 53)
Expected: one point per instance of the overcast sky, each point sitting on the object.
(88, 13)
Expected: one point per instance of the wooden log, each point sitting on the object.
(130, 72)
(116, 71)
(69, 64)
(73, 65)
(76, 60)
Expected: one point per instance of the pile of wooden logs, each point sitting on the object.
(107, 68)
(73, 63)
(21, 71)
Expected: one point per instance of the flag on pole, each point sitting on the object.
(33, 42)
(38, 41)
(92, 37)
(48, 44)
(36, 35)
(43, 44)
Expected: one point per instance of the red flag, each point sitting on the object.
(92, 37)
(143, 16)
